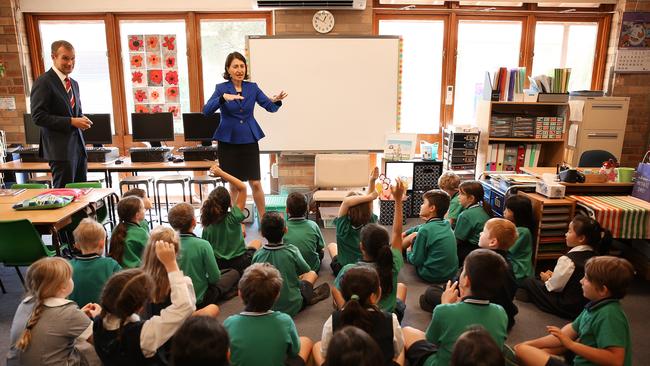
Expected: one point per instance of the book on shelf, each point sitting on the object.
(505, 85)
(512, 157)
(557, 83)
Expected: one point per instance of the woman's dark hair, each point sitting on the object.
(215, 207)
(474, 188)
(125, 293)
(360, 214)
(352, 346)
(127, 208)
(376, 245)
(522, 210)
(200, 341)
(229, 59)
(595, 235)
(357, 286)
(476, 347)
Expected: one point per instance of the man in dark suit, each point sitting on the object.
(56, 109)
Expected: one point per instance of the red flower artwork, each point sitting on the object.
(153, 60)
(157, 108)
(154, 95)
(141, 108)
(136, 77)
(155, 77)
(169, 42)
(172, 93)
(140, 95)
(152, 43)
(136, 60)
(171, 77)
(170, 61)
(135, 43)
(173, 109)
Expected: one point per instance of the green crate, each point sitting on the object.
(276, 203)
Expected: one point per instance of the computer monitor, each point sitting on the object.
(198, 127)
(100, 132)
(152, 127)
(32, 132)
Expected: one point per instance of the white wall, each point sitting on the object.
(87, 6)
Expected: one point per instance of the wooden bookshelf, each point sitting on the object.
(551, 151)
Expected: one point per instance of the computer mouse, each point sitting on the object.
(178, 160)
(118, 161)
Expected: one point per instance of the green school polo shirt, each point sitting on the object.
(226, 237)
(307, 237)
(288, 260)
(603, 324)
(261, 338)
(134, 244)
(455, 208)
(449, 321)
(434, 251)
(144, 224)
(197, 261)
(89, 274)
(348, 239)
(521, 254)
(387, 303)
(470, 224)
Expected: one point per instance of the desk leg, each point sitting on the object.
(56, 240)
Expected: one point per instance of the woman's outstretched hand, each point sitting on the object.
(279, 97)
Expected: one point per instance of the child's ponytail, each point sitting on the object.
(127, 208)
(474, 188)
(596, 236)
(376, 244)
(357, 286)
(215, 207)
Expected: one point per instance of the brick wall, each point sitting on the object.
(635, 86)
(299, 169)
(12, 84)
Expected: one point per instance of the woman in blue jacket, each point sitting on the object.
(238, 133)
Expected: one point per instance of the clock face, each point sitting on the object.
(323, 21)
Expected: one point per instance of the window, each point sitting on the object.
(152, 90)
(482, 46)
(219, 37)
(91, 62)
(566, 44)
(421, 72)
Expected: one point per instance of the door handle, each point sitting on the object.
(602, 135)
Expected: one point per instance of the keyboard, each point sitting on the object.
(98, 149)
(150, 149)
(197, 148)
(27, 150)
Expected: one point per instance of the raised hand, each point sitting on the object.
(398, 190)
(216, 171)
(231, 97)
(279, 96)
(374, 174)
(166, 255)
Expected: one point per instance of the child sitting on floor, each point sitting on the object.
(519, 210)
(302, 232)
(449, 182)
(142, 194)
(470, 222)
(128, 239)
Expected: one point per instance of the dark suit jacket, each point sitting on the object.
(51, 111)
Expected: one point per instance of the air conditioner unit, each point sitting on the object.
(311, 4)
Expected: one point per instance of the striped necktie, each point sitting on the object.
(68, 89)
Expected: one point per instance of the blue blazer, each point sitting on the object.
(238, 125)
(51, 111)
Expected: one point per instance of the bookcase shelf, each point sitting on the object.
(549, 151)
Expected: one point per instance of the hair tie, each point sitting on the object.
(354, 297)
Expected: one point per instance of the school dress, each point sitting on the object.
(520, 255)
(468, 229)
(89, 274)
(134, 243)
(386, 331)
(434, 251)
(54, 335)
(347, 242)
(227, 241)
(307, 237)
(262, 338)
(239, 132)
(288, 260)
(562, 293)
(139, 341)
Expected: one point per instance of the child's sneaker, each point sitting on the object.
(321, 293)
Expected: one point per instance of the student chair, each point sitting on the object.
(29, 186)
(201, 181)
(166, 181)
(594, 158)
(21, 245)
(102, 212)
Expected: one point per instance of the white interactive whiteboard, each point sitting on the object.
(343, 91)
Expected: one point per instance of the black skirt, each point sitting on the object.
(240, 160)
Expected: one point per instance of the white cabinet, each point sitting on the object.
(600, 126)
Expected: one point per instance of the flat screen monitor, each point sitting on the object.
(100, 132)
(32, 132)
(152, 127)
(198, 127)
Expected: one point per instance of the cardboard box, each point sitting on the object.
(550, 190)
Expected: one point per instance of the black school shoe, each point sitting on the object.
(321, 293)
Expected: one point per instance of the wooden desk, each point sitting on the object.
(583, 188)
(50, 220)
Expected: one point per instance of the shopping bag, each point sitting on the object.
(641, 188)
